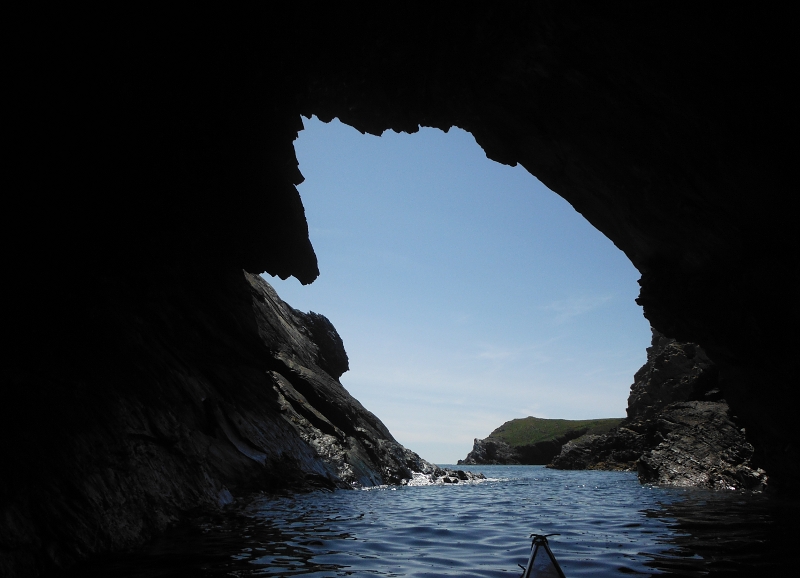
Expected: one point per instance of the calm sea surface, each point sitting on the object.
(609, 525)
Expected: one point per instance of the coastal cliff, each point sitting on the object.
(244, 399)
(532, 440)
(679, 431)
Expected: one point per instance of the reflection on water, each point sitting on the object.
(608, 525)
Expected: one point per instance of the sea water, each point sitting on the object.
(607, 524)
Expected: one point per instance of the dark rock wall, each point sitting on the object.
(176, 405)
(698, 444)
(674, 371)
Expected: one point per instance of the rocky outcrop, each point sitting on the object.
(178, 415)
(617, 450)
(531, 440)
(674, 371)
(490, 452)
(678, 431)
(699, 445)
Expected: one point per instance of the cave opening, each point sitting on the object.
(466, 292)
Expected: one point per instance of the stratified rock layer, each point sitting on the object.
(678, 431)
(699, 445)
(674, 371)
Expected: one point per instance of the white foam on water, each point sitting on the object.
(420, 479)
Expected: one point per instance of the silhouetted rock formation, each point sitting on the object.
(179, 415)
(678, 431)
(152, 161)
(673, 372)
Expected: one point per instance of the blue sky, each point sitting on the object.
(466, 292)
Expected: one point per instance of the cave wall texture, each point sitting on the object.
(152, 161)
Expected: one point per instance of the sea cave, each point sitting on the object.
(148, 372)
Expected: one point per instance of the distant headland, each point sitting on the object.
(533, 440)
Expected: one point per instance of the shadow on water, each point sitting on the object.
(720, 534)
(234, 544)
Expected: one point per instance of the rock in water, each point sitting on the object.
(617, 450)
(678, 431)
(699, 445)
(490, 451)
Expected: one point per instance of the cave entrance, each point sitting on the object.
(467, 293)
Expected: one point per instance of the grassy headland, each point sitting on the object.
(530, 430)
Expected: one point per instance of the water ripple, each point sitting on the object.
(608, 523)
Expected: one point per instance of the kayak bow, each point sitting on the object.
(542, 563)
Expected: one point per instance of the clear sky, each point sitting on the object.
(466, 292)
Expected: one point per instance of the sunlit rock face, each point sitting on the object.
(699, 445)
(154, 165)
